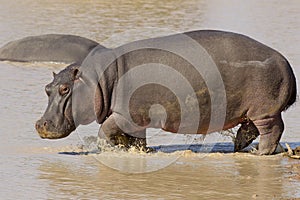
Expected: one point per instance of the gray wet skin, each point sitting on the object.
(48, 48)
(259, 84)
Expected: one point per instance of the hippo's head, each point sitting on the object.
(57, 121)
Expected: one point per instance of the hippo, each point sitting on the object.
(195, 82)
(48, 48)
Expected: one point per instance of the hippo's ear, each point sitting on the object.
(76, 73)
(54, 74)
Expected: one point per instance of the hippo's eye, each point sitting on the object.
(64, 89)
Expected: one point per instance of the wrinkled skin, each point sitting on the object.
(258, 80)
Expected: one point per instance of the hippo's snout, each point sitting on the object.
(41, 124)
(42, 127)
(48, 130)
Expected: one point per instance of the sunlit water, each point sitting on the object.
(32, 168)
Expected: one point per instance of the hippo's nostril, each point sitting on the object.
(42, 123)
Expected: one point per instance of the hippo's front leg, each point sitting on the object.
(116, 130)
(245, 135)
(270, 130)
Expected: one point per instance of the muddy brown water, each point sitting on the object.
(32, 168)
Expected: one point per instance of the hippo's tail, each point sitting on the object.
(293, 89)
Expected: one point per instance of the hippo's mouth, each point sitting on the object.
(45, 133)
(51, 135)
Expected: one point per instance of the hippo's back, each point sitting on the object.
(230, 46)
(50, 47)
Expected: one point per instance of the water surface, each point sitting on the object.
(32, 168)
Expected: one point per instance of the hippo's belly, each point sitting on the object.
(156, 106)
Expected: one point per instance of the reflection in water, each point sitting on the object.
(232, 176)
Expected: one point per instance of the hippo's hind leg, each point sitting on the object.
(245, 135)
(127, 137)
(270, 130)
